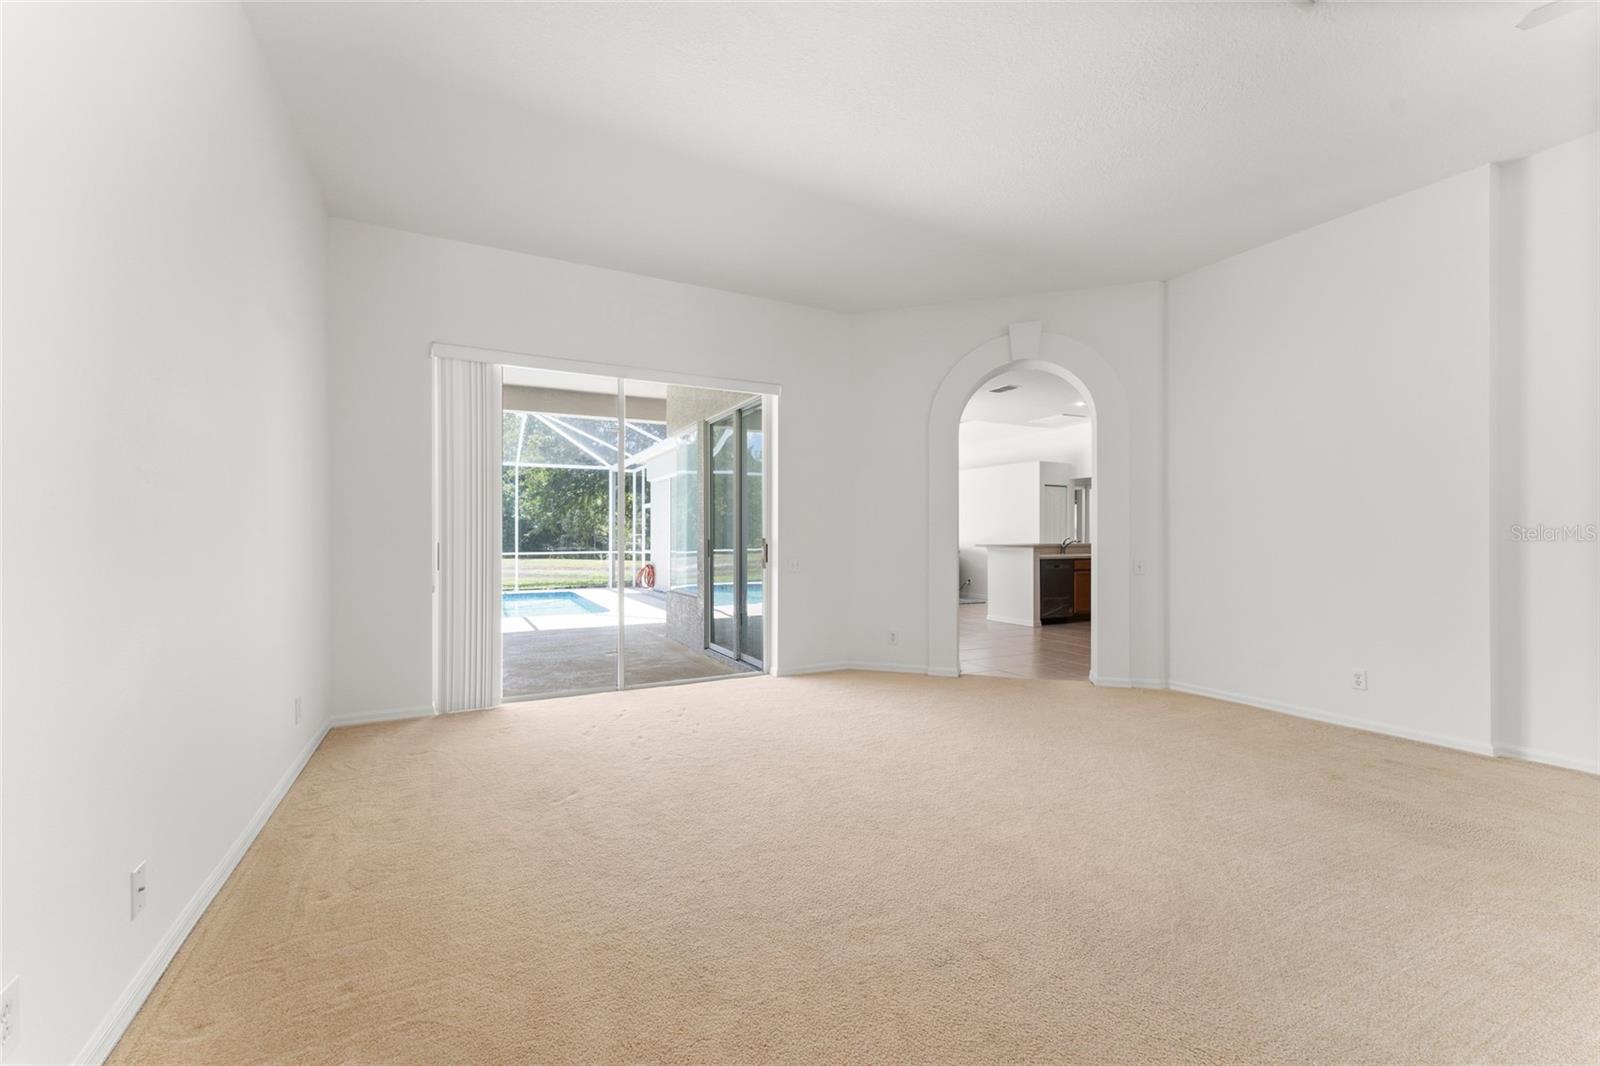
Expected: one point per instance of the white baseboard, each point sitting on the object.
(133, 996)
(935, 671)
(1028, 623)
(1365, 724)
(890, 668)
(392, 715)
(855, 664)
(1549, 758)
(814, 668)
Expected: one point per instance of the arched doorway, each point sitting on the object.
(1027, 346)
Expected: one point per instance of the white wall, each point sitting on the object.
(1547, 593)
(906, 354)
(392, 294)
(1328, 461)
(165, 529)
(1000, 504)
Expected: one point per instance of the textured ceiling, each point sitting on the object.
(861, 156)
(1030, 395)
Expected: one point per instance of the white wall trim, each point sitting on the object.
(1366, 725)
(1012, 621)
(1025, 338)
(890, 668)
(443, 349)
(155, 964)
(1111, 590)
(393, 714)
(1548, 758)
(947, 672)
(852, 664)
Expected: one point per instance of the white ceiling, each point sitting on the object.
(860, 156)
(1032, 398)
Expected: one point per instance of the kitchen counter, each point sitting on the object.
(1014, 578)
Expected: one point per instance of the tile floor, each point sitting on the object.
(997, 649)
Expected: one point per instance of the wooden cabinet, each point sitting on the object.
(1080, 588)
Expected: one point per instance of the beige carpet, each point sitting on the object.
(866, 868)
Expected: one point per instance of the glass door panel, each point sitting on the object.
(682, 530)
(722, 533)
(753, 578)
(633, 537)
(558, 535)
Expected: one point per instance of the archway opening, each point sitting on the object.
(1027, 347)
(1025, 514)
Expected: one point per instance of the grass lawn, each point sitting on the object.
(532, 574)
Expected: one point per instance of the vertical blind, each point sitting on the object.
(467, 597)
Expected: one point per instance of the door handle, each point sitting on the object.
(766, 553)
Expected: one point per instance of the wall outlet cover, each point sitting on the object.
(298, 707)
(1358, 681)
(894, 637)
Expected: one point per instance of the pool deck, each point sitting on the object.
(552, 654)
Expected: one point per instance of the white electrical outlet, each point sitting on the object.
(1358, 680)
(297, 710)
(10, 1020)
(894, 637)
(136, 891)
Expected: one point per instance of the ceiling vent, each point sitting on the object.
(1004, 388)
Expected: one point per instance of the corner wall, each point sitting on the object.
(1546, 591)
(1361, 416)
(165, 537)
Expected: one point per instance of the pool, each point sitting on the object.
(722, 595)
(530, 604)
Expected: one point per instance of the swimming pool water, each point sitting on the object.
(529, 604)
(722, 595)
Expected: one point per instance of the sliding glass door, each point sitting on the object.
(752, 577)
(737, 544)
(722, 542)
(684, 532)
(633, 535)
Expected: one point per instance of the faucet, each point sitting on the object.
(1069, 542)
